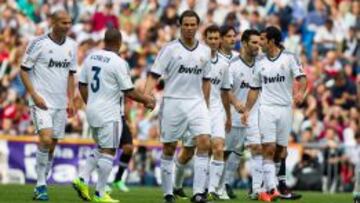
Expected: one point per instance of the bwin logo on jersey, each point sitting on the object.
(190, 70)
(215, 81)
(277, 78)
(244, 85)
(58, 64)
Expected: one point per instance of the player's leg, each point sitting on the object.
(356, 193)
(234, 143)
(216, 166)
(256, 170)
(283, 132)
(267, 126)
(108, 140)
(125, 157)
(199, 125)
(185, 155)
(43, 123)
(167, 170)
(59, 118)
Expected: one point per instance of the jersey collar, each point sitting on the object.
(187, 48)
(274, 59)
(225, 55)
(244, 62)
(61, 43)
(216, 59)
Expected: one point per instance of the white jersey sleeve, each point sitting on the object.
(73, 63)
(162, 61)
(122, 74)
(226, 84)
(296, 67)
(256, 77)
(207, 68)
(83, 78)
(32, 53)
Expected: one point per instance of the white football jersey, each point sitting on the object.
(183, 69)
(275, 77)
(220, 80)
(106, 76)
(240, 77)
(49, 64)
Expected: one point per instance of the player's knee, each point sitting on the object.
(218, 150)
(280, 153)
(203, 143)
(128, 149)
(268, 151)
(169, 149)
(256, 150)
(109, 151)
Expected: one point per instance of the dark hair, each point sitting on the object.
(211, 29)
(112, 35)
(225, 29)
(247, 34)
(273, 33)
(189, 13)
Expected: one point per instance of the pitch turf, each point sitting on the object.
(65, 194)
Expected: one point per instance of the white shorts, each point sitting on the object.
(217, 117)
(179, 116)
(108, 136)
(275, 124)
(239, 137)
(54, 119)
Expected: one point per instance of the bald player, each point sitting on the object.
(47, 71)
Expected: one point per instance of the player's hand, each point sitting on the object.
(299, 98)
(239, 107)
(151, 102)
(228, 125)
(245, 118)
(39, 102)
(70, 109)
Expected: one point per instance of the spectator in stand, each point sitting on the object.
(105, 18)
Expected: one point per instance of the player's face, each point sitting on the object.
(263, 41)
(62, 24)
(252, 46)
(188, 27)
(228, 40)
(213, 40)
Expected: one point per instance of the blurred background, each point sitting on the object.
(325, 34)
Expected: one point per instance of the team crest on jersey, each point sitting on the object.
(70, 54)
(262, 69)
(50, 51)
(282, 67)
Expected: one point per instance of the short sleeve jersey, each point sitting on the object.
(106, 76)
(275, 78)
(49, 64)
(183, 69)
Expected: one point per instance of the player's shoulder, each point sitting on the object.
(36, 42)
(171, 44)
(260, 57)
(235, 59)
(289, 54)
(71, 42)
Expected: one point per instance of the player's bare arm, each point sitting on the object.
(71, 93)
(146, 99)
(251, 99)
(83, 89)
(225, 98)
(238, 105)
(301, 93)
(150, 84)
(206, 88)
(38, 100)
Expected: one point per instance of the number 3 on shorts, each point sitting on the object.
(95, 85)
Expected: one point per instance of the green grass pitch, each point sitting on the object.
(65, 194)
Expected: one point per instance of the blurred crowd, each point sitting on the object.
(325, 34)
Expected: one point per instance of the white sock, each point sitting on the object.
(167, 168)
(42, 159)
(207, 180)
(179, 174)
(232, 165)
(357, 180)
(104, 163)
(90, 165)
(216, 169)
(269, 174)
(201, 167)
(256, 169)
(48, 166)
